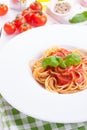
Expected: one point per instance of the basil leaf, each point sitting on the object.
(72, 59)
(61, 62)
(50, 61)
(63, 65)
(54, 61)
(81, 17)
(60, 0)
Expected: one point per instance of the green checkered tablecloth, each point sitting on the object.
(12, 119)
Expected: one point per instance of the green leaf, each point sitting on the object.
(63, 65)
(81, 17)
(54, 61)
(61, 62)
(50, 61)
(72, 59)
(60, 0)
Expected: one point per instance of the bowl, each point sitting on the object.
(60, 8)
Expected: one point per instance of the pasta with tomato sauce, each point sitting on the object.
(62, 75)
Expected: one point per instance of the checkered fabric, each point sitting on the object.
(12, 119)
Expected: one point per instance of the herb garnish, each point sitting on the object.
(54, 61)
(81, 17)
(60, 0)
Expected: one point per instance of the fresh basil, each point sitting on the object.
(54, 61)
(61, 62)
(50, 61)
(72, 59)
(81, 17)
(60, 0)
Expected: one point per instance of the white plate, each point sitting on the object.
(20, 89)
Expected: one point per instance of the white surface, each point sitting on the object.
(20, 89)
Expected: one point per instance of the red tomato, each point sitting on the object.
(24, 27)
(19, 20)
(9, 27)
(29, 16)
(3, 9)
(36, 6)
(24, 12)
(38, 19)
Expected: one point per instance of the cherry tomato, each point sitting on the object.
(29, 16)
(24, 27)
(19, 20)
(38, 19)
(3, 9)
(25, 11)
(36, 6)
(9, 27)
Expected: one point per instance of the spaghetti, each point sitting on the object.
(62, 80)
